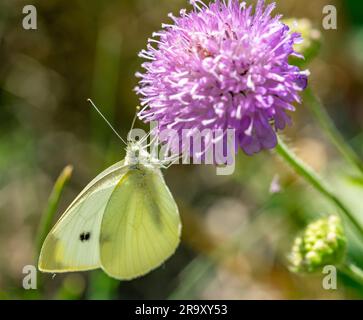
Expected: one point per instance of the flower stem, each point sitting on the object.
(352, 271)
(316, 181)
(331, 130)
(53, 201)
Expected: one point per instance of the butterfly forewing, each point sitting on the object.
(141, 225)
(73, 243)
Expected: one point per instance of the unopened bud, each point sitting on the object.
(311, 43)
(322, 243)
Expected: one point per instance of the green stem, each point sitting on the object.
(316, 181)
(352, 271)
(331, 130)
(51, 209)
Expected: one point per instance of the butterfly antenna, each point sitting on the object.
(135, 117)
(108, 122)
(133, 123)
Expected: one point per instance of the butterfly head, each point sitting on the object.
(136, 153)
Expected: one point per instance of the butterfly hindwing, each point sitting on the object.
(141, 225)
(73, 243)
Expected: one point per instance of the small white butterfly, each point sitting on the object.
(125, 221)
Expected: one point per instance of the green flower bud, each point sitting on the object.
(322, 243)
(310, 46)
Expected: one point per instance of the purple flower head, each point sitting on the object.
(222, 66)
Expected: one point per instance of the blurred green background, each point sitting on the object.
(236, 234)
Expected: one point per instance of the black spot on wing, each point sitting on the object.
(85, 236)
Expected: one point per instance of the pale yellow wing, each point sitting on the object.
(141, 225)
(73, 243)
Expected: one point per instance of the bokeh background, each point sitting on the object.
(236, 232)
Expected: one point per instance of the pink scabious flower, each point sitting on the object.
(222, 66)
